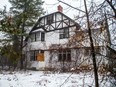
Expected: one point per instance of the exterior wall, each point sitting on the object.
(78, 59)
(77, 56)
(52, 38)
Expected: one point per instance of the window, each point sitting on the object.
(32, 37)
(64, 55)
(37, 55)
(64, 33)
(49, 19)
(87, 51)
(33, 55)
(42, 36)
(40, 56)
(97, 50)
(38, 36)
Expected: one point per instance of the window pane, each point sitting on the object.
(87, 52)
(41, 51)
(32, 37)
(32, 56)
(61, 36)
(68, 57)
(64, 33)
(59, 57)
(38, 36)
(64, 56)
(66, 30)
(42, 36)
(50, 19)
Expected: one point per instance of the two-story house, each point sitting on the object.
(57, 41)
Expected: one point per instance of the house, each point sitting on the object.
(57, 41)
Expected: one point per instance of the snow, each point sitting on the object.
(47, 79)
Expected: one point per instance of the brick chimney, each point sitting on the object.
(60, 9)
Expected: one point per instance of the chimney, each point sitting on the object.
(60, 9)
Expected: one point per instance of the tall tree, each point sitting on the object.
(20, 18)
(11, 33)
(25, 13)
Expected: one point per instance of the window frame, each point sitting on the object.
(38, 35)
(34, 37)
(35, 54)
(64, 33)
(64, 56)
(42, 36)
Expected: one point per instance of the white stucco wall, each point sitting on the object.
(52, 38)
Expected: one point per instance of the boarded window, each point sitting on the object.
(40, 57)
(64, 55)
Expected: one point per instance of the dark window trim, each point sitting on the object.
(35, 54)
(42, 36)
(32, 56)
(50, 19)
(64, 55)
(64, 33)
(36, 36)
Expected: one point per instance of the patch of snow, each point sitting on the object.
(42, 79)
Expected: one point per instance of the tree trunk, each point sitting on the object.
(92, 48)
(21, 59)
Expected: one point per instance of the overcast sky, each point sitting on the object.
(4, 3)
(50, 6)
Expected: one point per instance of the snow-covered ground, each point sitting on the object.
(47, 79)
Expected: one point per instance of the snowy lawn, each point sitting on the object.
(43, 79)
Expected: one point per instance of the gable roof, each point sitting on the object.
(38, 26)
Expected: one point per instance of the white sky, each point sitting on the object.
(50, 6)
(4, 3)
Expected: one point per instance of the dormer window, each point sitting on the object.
(49, 19)
(64, 33)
